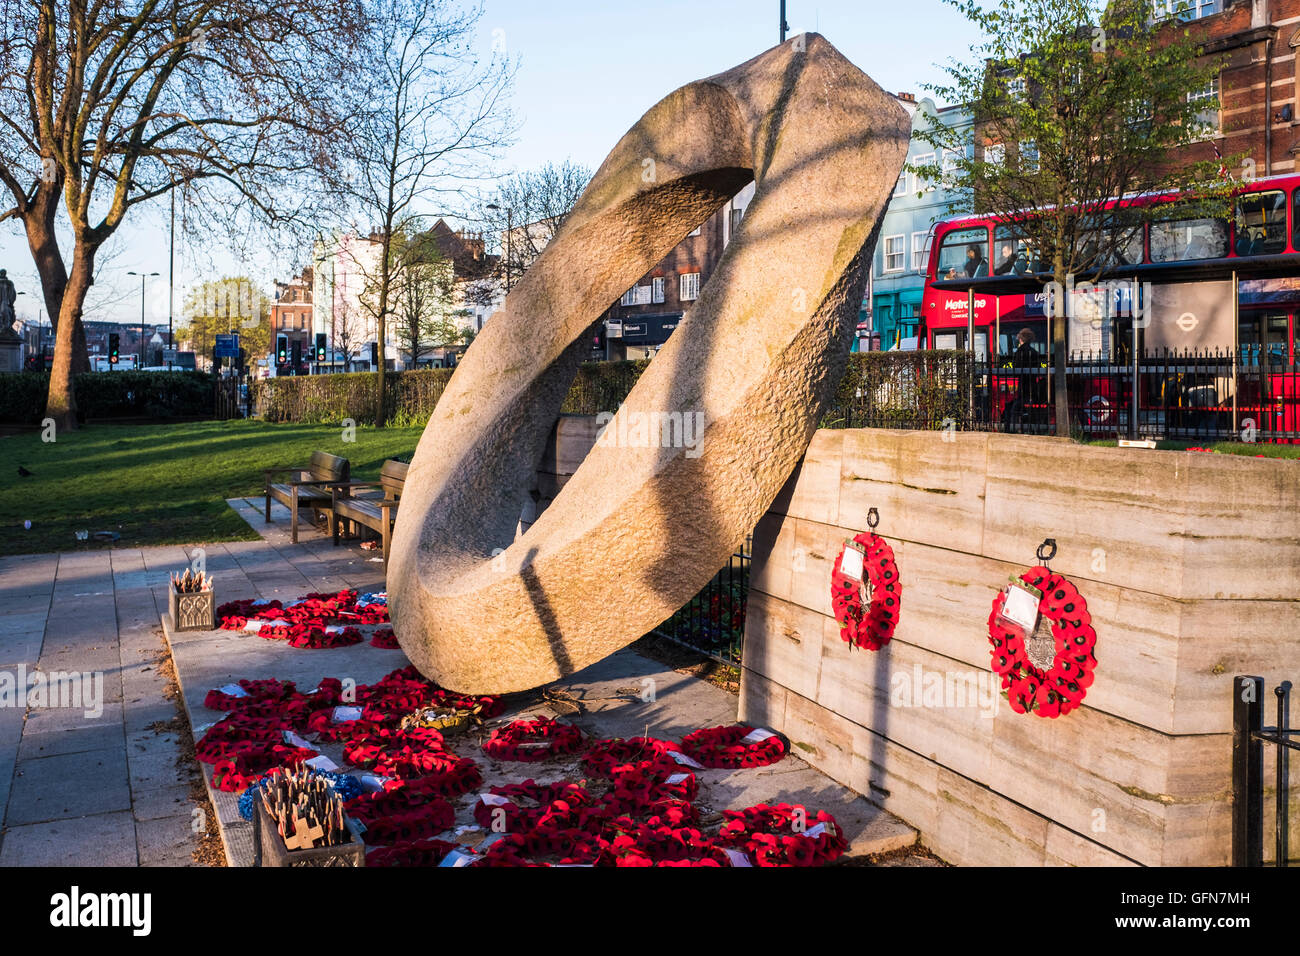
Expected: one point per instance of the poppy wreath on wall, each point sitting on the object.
(734, 747)
(1048, 690)
(866, 563)
(531, 740)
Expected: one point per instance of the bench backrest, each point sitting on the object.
(327, 467)
(392, 478)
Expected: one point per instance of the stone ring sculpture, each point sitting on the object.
(642, 525)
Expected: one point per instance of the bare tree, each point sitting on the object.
(107, 105)
(526, 212)
(436, 112)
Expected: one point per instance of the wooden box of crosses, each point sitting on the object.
(269, 847)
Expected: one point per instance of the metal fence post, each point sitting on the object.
(1283, 809)
(1247, 772)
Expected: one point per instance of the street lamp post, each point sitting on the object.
(143, 276)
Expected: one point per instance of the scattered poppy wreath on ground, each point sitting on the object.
(769, 834)
(603, 756)
(547, 848)
(532, 740)
(1062, 687)
(733, 747)
(520, 807)
(667, 846)
(873, 627)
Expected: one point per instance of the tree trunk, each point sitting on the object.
(38, 222)
(61, 403)
(1059, 323)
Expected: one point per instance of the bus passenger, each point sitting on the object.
(975, 264)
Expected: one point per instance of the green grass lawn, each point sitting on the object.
(1249, 449)
(161, 484)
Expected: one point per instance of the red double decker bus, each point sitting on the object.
(1217, 297)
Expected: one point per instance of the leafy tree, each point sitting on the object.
(424, 288)
(1073, 107)
(231, 304)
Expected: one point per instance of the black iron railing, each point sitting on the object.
(1206, 395)
(713, 622)
(1249, 736)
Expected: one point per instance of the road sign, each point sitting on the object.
(227, 346)
(169, 356)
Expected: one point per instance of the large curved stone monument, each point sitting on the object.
(643, 524)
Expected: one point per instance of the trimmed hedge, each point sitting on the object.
(411, 396)
(880, 389)
(126, 394)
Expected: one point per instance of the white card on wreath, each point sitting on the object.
(756, 736)
(686, 760)
(493, 800)
(851, 564)
(342, 715)
(232, 690)
(1021, 607)
(321, 762)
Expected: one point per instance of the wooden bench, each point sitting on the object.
(307, 487)
(378, 514)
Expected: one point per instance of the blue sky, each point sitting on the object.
(588, 70)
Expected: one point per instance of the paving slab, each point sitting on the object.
(106, 839)
(68, 785)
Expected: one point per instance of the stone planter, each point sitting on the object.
(269, 848)
(192, 610)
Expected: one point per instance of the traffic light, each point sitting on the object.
(297, 355)
(281, 349)
(113, 339)
(320, 346)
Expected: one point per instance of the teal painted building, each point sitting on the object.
(892, 306)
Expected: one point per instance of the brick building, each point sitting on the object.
(291, 316)
(1257, 90)
(641, 321)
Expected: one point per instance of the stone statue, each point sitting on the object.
(643, 525)
(7, 298)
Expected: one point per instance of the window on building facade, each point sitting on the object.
(900, 187)
(1185, 9)
(1207, 105)
(736, 216)
(1029, 155)
(919, 250)
(995, 154)
(918, 183)
(657, 289)
(1016, 87)
(690, 286)
(895, 253)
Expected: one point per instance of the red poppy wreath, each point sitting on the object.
(871, 627)
(734, 747)
(1059, 688)
(531, 740)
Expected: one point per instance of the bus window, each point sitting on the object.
(1181, 240)
(964, 254)
(1013, 254)
(1261, 224)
